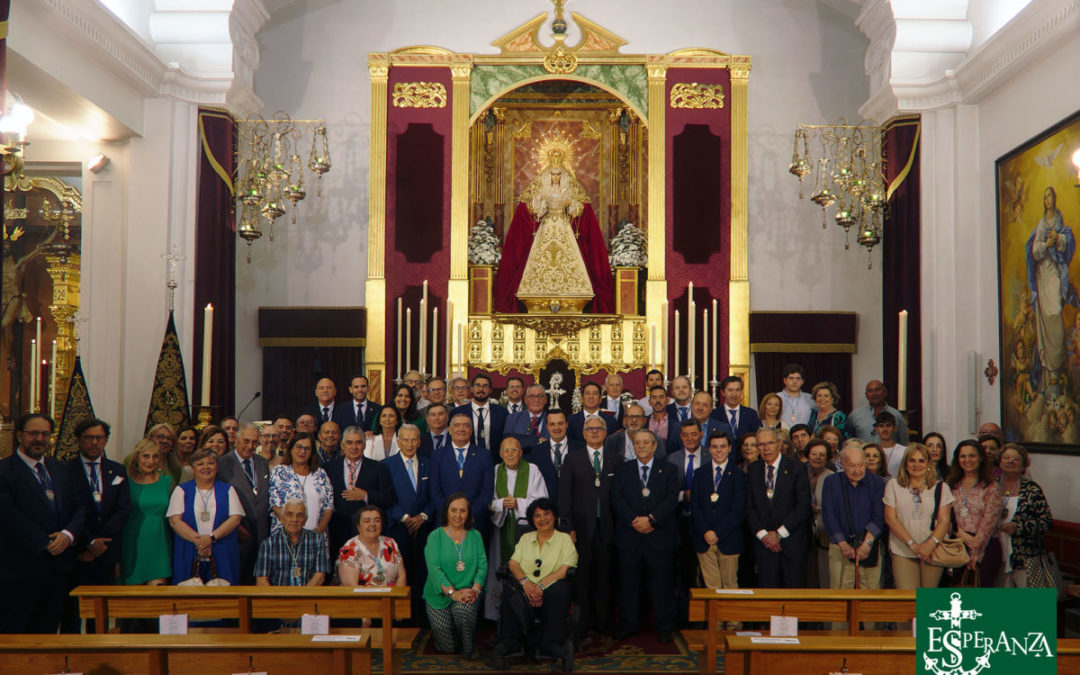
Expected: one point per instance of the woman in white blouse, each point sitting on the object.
(914, 528)
(384, 444)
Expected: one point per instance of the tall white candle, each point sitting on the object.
(435, 341)
(449, 340)
(705, 350)
(461, 347)
(37, 366)
(715, 344)
(691, 342)
(901, 363)
(207, 347)
(652, 346)
(676, 343)
(664, 334)
(52, 382)
(398, 364)
(408, 341)
(32, 399)
(424, 308)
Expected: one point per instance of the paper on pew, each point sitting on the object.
(735, 591)
(257, 672)
(371, 589)
(748, 633)
(774, 641)
(315, 624)
(783, 626)
(336, 638)
(173, 624)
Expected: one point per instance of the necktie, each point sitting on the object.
(95, 484)
(460, 462)
(480, 440)
(46, 481)
(719, 477)
(689, 471)
(682, 414)
(412, 474)
(250, 473)
(734, 423)
(770, 481)
(536, 425)
(558, 457)
(596, 470)
(354, 467)
(359, 413)
(644, 475)
(514, 408)
(326, 414)
(439, 440)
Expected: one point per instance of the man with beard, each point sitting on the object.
(489, 419)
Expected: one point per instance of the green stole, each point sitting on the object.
(508, 531)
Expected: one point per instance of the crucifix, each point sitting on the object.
(554, 391)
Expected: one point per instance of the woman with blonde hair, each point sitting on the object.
(146, 558)
(769, 410)
(918, 505)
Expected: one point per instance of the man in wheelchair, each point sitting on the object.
(537, 591)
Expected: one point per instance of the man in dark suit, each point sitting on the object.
(644, 499)
(585, 504)
(43, 516)
(612, 404)
(550, 455)
(356, 481)
(678, 411)
(358, 412)
(438, 433)
(621, 442)
(687, 460)
(325, 399)
(464, 467)
(411, 518)
(778, 514)
(733, 417)
(528, 426)
(591, 395)
(718, 504)
(488, 418)
(515, 395)
(249, 474)
(701, 407)
(105, 493)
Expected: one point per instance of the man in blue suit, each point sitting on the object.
(105, 493)
(686, 460)
(732, 417)
(465, 467)
(43, 516)
(437, 436)
(644, 499)
(412, 516)
(591, 395)
(678, 411)
(528, 425)
(359, 411)
(718, 504)
(550, 455)
(488, 418)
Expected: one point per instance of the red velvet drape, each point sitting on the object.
(516, 251)
(900, 287)
(215, 260)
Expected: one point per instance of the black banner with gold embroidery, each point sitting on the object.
(77, 407)
(169, 400)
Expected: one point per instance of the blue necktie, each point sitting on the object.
(412, 474)
(461, 462)
(439, 439)
(719, 477)
(249, 472)
(682, 414)
(95, 484)
(733, 422)
(689, 471)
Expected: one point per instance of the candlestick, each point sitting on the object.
(901, 363)
(715, 344)
(398, 364)
(435, 341)
(449, 340)
(52, 382)
(32, 402)
(652, 346)
(37, 365)
(704, 349)
(424, 308)
(664, 333)
(207, 344)
(691, 334)
(677, 343)
(408, 341)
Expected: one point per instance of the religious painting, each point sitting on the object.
(1038, 211)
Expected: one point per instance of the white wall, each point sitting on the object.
(807, 67)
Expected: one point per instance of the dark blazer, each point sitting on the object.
(256, 502)
(29, 519)
(498, 424)
(427, 443)
(578, 494)
(540, 457)
(674, 439)
(617, 442)
(678, 460)
(315, 409)
(372, 477)
(477, 480)
(790, 505)
(108, 522)
(725, 515)
(674, 442)
(345, 415)
(520, 427)
(408, 501)
(576, 425)
(628, 503)
(748, 421)
(617, 415)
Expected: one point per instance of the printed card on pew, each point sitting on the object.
(257, 672)
(315, 624)
(173, 624)
(783, 626)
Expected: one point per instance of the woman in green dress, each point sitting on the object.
(457, 569)
(148, 558)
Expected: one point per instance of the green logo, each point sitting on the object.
(967, 631)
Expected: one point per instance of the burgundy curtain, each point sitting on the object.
(215, 259)
(820, 342)
(835, 368)
(900, 273)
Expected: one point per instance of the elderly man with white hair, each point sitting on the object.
(293, 556)
(853, 515)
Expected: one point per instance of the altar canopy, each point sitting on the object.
(553, 148)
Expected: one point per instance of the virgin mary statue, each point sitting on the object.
(554, 257)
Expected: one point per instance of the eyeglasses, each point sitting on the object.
(536, 572)
(594, 428)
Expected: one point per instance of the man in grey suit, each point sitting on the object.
(249, 473)
(621, 442)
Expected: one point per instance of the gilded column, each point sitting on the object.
(375, 292)
(739, 287)
(66, 278)
(458, 286)
(656, 285)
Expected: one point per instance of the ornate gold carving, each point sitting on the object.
(556, 326)
(594, 352)
(588, 130)
(560, 61)
(378, 66)
(497, 342)
(617, 332)
(594, 332)
(523, 130)
(656, 71)
(697, 96)
(459, 71)
(639, 331)
(639, 352)
(419, 95)
(617, 351)
(525, 39)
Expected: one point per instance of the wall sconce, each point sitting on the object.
(98, 163)
(13, 126)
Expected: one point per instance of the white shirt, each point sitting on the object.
(376, 449)
(515, 407)
(782, 531)
(894, 457)
(649, 465)
(203, 527)
(558, 451)
(487, 422)
(727, 416)
(589, 452)
(628, 448)
(329, 412)
(613, 404)
(359, 409)
(694, 457)
(94, 487)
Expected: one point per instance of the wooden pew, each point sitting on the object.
(1068, 656)
(245, 603)
(118, 654)
(821, 654)
(808, 604)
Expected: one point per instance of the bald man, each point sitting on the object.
(325, 399)
(861, 421)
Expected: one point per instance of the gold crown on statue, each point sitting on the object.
(555, 150)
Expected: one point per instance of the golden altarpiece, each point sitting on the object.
(556, 147)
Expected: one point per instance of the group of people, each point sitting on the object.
(518, 510)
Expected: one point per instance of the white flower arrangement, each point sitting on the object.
(628, 247)
(484, 246)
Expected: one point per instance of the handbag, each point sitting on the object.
(950, 551)
(871, 560)
(196, 580)
(969, 578)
